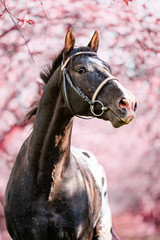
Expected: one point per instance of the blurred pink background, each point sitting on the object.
(31, 34)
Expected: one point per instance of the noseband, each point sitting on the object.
(79, 91)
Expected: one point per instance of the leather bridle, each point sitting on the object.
(79, 91)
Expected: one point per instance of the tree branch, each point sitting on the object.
(19, 30)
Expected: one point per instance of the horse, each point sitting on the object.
(56, 191)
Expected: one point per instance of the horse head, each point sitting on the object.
(89, 87)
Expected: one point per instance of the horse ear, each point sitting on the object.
(94, 43)
(69, 40)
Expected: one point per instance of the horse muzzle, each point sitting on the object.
(128, 108)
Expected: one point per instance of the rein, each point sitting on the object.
(79, 91)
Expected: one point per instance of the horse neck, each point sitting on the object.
(49, 143)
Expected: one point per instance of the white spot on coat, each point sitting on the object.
(104, 223)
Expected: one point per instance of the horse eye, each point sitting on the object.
(81, 70)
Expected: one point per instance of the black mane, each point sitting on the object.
(49, 69)
(45, 75)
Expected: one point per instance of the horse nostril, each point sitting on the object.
(124, 105)
(135, 106)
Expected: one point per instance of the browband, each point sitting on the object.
(76, 54)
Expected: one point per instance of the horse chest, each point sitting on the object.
(75, 203)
